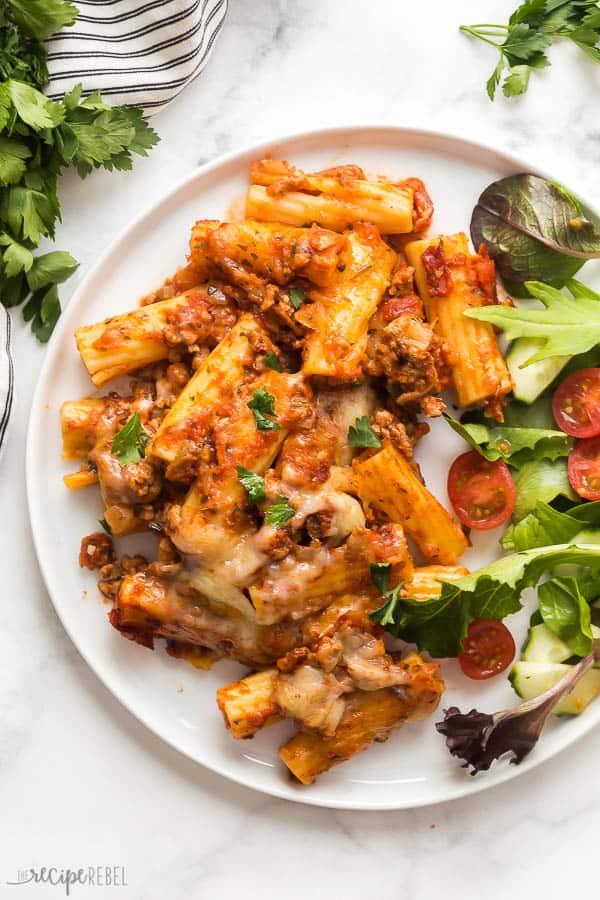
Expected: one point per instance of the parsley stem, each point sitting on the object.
(471, 29)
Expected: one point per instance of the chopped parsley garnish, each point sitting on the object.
(105, 526)
(380, 576)
(297, 297)
(362, 435)
(129, 444)
(263, 404)
(271, 361)
(253, 484)
(279, 512)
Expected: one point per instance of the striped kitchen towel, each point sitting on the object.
(140, 52)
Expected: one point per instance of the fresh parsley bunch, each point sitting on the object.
(533, 27)
(39, 139)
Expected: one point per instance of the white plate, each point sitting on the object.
(170, 697)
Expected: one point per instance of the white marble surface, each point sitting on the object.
(81, 782)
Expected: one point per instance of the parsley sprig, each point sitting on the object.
(39, 139)
(129, 444)
(532, 28)
(280, 512)
(253, 484)
(263, 405)
(380, 576)
(362, 435)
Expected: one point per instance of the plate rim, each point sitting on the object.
(453, 792)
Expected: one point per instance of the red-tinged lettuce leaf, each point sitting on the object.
(480, 738)
(534, 229)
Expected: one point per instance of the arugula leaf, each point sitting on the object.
(543, 480)
(380, 574)
(534, 229)
(566, 612)
(253, 484)
(129, 443)
(516, 446)
(297, 297)
(362, 435)
(280, 512)
(439, 625)
(271, 361)
(41, 18)
(566, 327)
(263, 403)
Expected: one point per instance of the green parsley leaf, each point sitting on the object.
(33, 107)
(129, 444)
(47, 315)
(384, 615)
(271, 361)
(41, 18)
(297, 297)
(13, 154)
(105, 526)
(51, 268)
(263, 403)
(16, 258)
(362, 435)
(279, 512)
(253, 484)
(515, 445)
(564, 327)
(516, 83)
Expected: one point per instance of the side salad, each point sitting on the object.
(537, 473)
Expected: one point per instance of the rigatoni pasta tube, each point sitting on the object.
(369, 716)
(130, 341)
(187, 422)
(425, 583)
(451, 280)
(388, 484)
(249, 704)
(338, 316)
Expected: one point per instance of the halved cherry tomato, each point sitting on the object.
(584, 468)
(576, 404)
(482, 492)
(488, 649)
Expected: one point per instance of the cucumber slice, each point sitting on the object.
(530, 679)
(529, 382)
(544, 647)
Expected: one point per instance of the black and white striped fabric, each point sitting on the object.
(136, 52)
(140, 52)
(6, 373)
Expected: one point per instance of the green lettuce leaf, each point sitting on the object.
(541, 480)
(565, 326)
(566, 612)
(545, 525)
(438, 625)
(515, 446)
